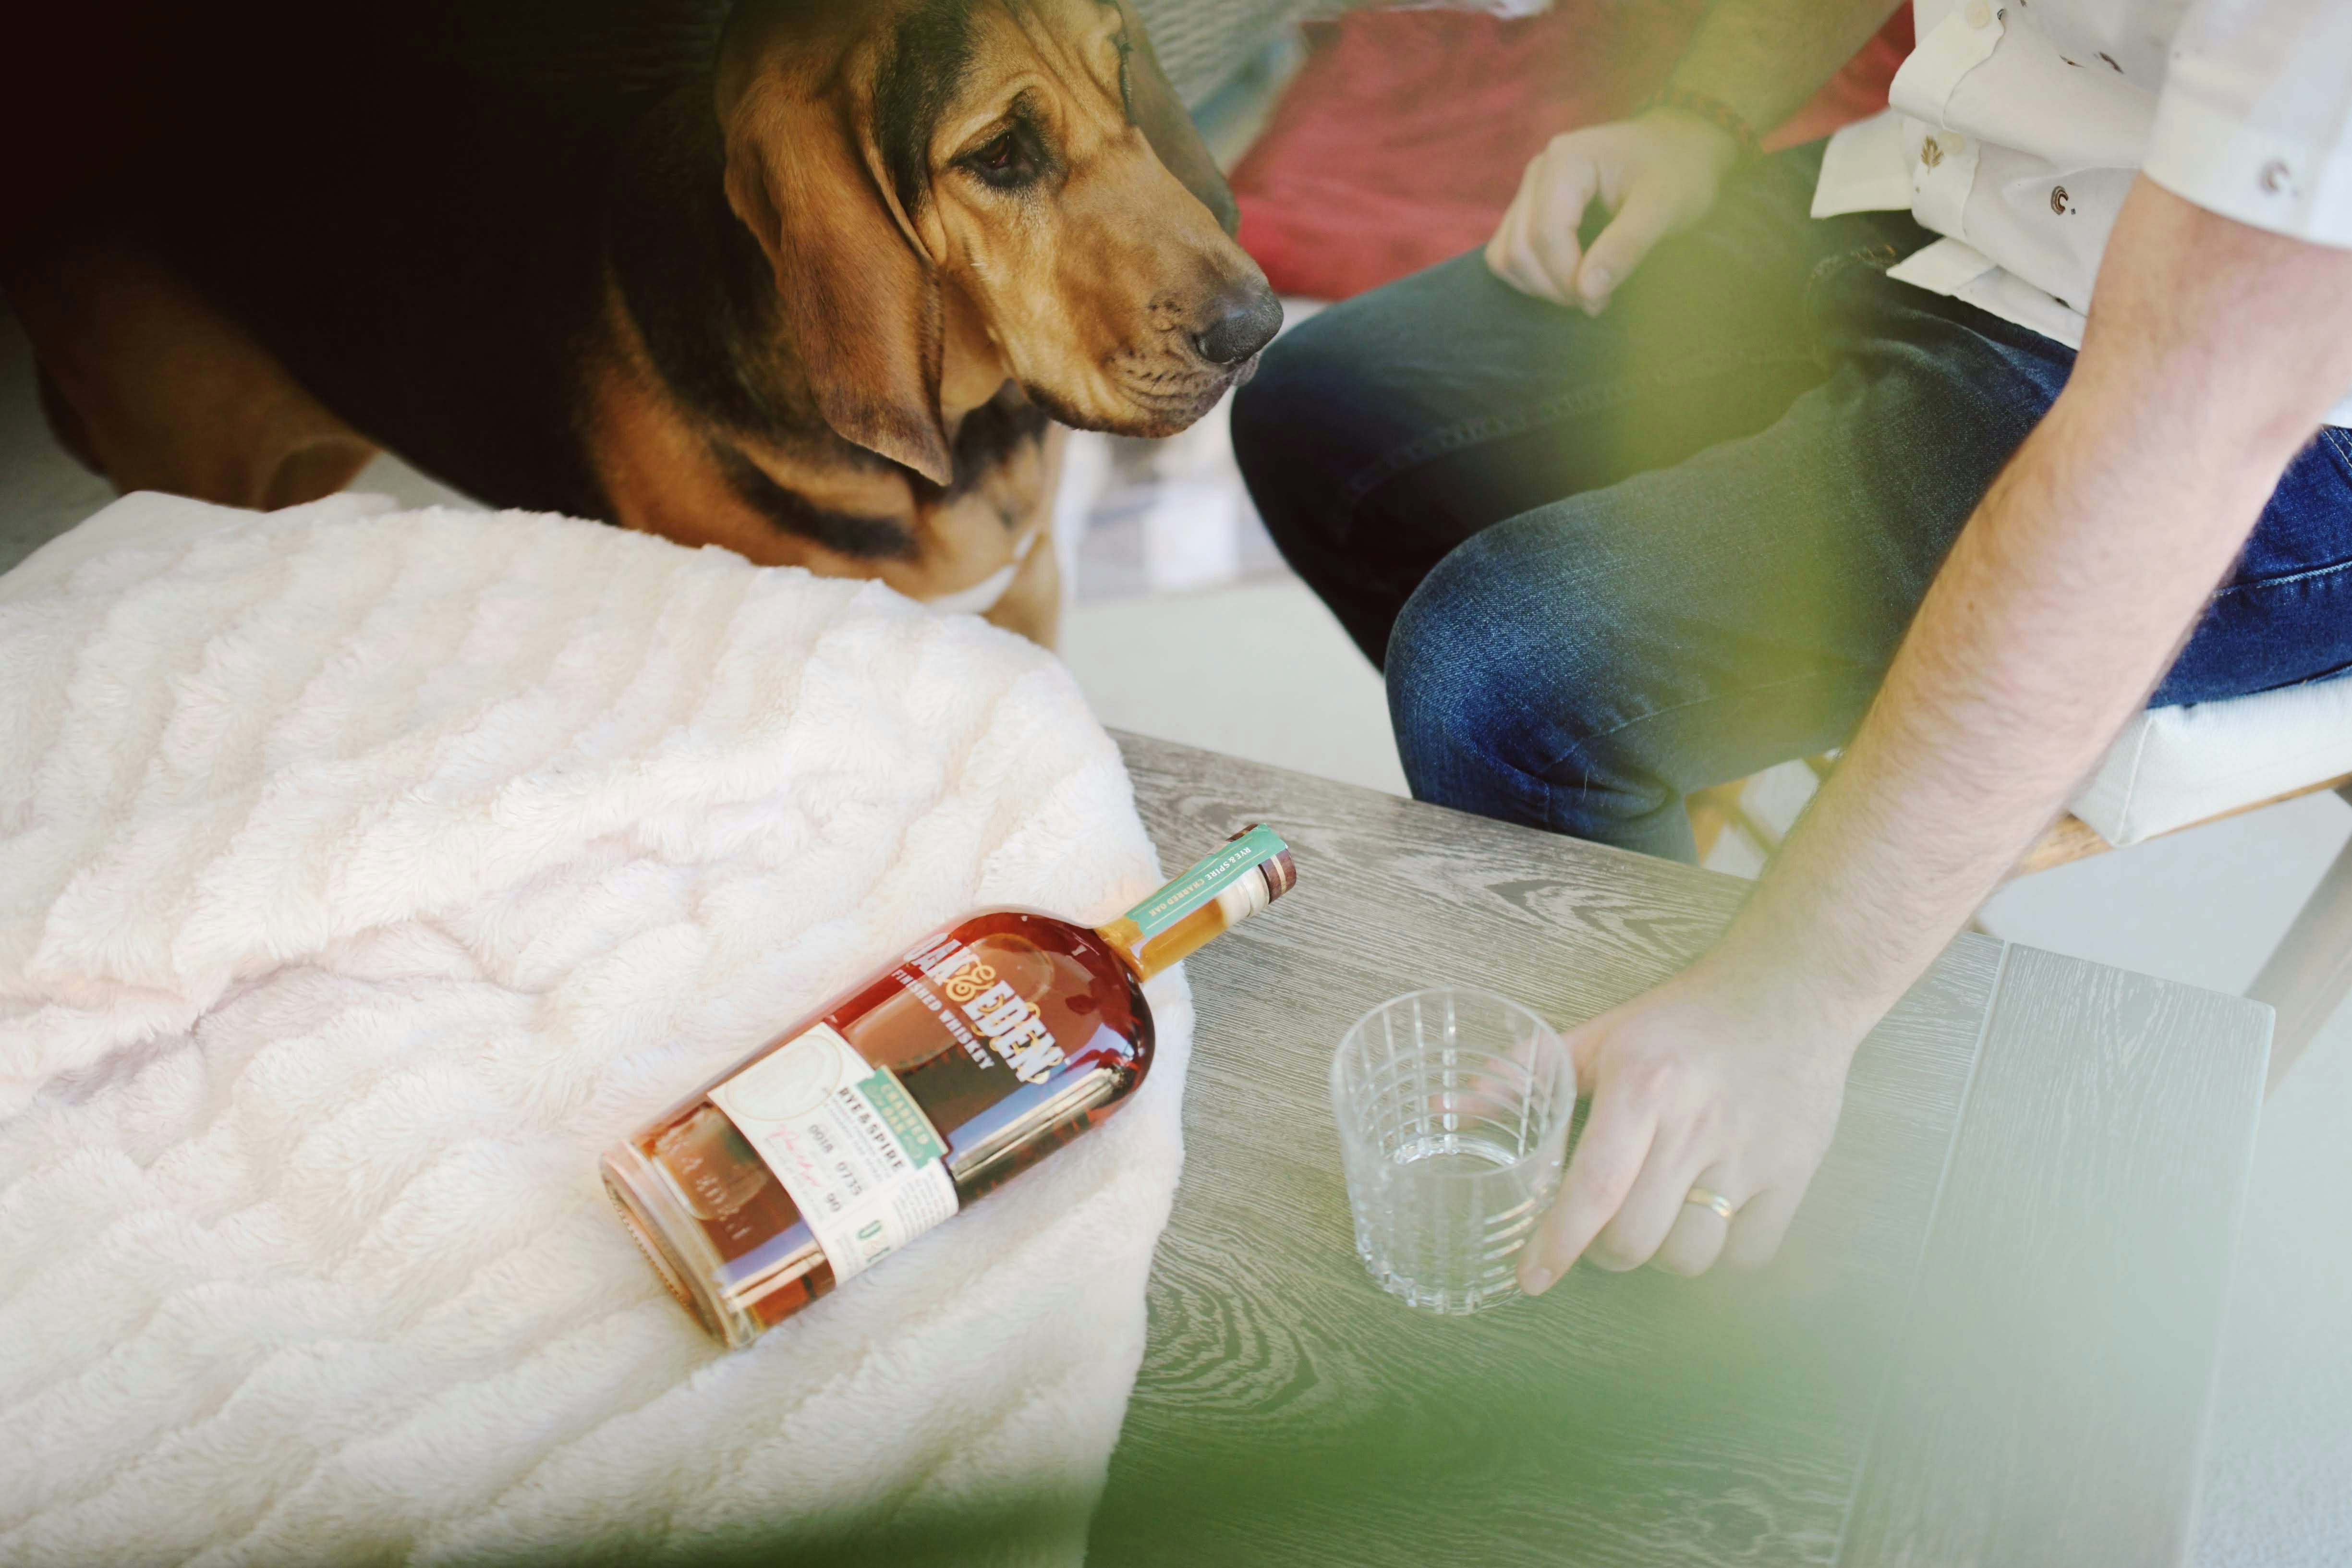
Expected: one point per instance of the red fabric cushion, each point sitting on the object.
(1402, 140)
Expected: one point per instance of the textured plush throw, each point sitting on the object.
(363, 874)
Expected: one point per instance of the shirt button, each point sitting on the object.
(1979, 13)
(1955, 144)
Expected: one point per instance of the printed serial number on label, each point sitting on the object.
(860, 1161)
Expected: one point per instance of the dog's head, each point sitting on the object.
(961, 191)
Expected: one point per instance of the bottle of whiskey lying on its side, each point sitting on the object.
(991, 1044)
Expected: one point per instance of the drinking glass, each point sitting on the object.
(1454, 1109)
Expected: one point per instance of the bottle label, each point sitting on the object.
(863, 1163)
(1230, 870)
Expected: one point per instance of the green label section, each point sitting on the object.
(908, 1126)
(1205, 881)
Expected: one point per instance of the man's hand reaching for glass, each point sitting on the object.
(1715, 1082)
(1657, 174)
(2213, 351)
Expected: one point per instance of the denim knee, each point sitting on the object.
(1506, 678)
(1458, 676)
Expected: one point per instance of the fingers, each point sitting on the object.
(1569, 181)
(1504, 1083)
(1502, 251)
(1694, 1244)
(1646, 218)
(1535, 248)
(1680, 1101)
(1511, 254)
(1762, 1225)
(1584, 1044)
(1656, 177)
(1699, 1233)
(1608, 1160)
(1633, 1235)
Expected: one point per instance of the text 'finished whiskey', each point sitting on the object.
(991, 1044)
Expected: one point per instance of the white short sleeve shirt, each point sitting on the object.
(2017, 126)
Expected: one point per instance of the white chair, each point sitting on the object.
(2176, 768)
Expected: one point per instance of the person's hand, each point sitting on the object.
(1708, 1081)
(1658, 175)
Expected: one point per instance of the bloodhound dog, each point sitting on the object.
(810, 279)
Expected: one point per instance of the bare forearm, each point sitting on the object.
(2213, 350)
(2062, 605)
(1767, 57)
(2036, 643)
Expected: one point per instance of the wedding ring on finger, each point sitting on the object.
(1714, 1202)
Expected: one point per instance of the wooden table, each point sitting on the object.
(1989, 1340)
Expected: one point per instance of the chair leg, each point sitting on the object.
(2312, 970)
(1710, 813)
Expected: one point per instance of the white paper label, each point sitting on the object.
(865, 1167)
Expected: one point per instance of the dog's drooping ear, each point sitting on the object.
(861, 301)
(1160, 115)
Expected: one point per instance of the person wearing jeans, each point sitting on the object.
(1949, 442)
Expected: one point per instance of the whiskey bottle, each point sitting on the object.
(991, 1043)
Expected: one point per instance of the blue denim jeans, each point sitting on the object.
(1605, 562)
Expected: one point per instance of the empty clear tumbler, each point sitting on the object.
(1454, 1108)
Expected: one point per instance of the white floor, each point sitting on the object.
(1259, 669)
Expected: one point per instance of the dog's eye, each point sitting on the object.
(1007, 162)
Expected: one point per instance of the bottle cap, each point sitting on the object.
(1280, 871)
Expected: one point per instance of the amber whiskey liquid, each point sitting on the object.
(991, 1044)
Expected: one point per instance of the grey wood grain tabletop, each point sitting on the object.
(1989, 1340)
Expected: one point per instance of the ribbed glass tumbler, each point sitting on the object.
(1454, 1108)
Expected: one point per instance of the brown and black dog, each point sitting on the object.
(805, 278)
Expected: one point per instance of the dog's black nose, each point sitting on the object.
(1239, 325)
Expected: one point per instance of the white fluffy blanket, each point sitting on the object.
(361, 874)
